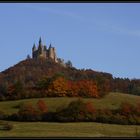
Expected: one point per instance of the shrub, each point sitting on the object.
(41, 105)
(132, 120)
(76, 111)
(49, 116)
(126, 109)
(90, 108)
(28, 113)
(137, 109)
(137, 120)
(14, 117)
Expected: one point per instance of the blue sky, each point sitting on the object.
(101, 36)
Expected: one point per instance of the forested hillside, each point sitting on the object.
(45, 78)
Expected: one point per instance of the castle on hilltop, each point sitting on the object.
(42, 52)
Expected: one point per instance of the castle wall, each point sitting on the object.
(42, 54)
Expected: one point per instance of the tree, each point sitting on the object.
(15, 90)
(41, 105)
(3, 89)
(90, 108)
(126, 109)
(61, 61)
(44, 83)
(28, 113)
(83, 88)
(58, 87)
(72, 88)
(76, 111)
(28, 56)
(69, 64)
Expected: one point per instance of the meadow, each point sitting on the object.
(111, 101)
(81, 129)
(78, 129)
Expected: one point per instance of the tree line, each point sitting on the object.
(76, 111)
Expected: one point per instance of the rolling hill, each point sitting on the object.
(110, 101)
(79, 129)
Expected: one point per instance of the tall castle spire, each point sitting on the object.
(34, 47)
(50, 45)
(40, 42)
(40, 46)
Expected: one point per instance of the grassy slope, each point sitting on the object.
(112, 100)
(45, 129)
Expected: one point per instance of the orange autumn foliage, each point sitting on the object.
(72, 89)
(42, 106)
(90, 108)
(126, 109)
(58, 87)
(84, 88)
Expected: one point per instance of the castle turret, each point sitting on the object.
(55, 57)
(40, 46)
(34, 51)
(50, 46)
(40, 42)
(52, 53)
(34, 48)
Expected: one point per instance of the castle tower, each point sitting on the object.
(40, 46)
(41, 51)
(52, 53)
(34, 51)
(34, 48)
(55, 57)
(40, 42)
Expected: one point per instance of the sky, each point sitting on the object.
(104, 37)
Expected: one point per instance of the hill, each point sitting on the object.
(31, 70)
(28, 73)
(22, 80)
(79, 129)
(110, 101)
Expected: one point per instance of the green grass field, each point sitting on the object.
(82, 129)
(112, 101)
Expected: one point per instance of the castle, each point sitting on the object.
(42, 52)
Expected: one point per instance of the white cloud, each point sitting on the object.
(53, 11)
